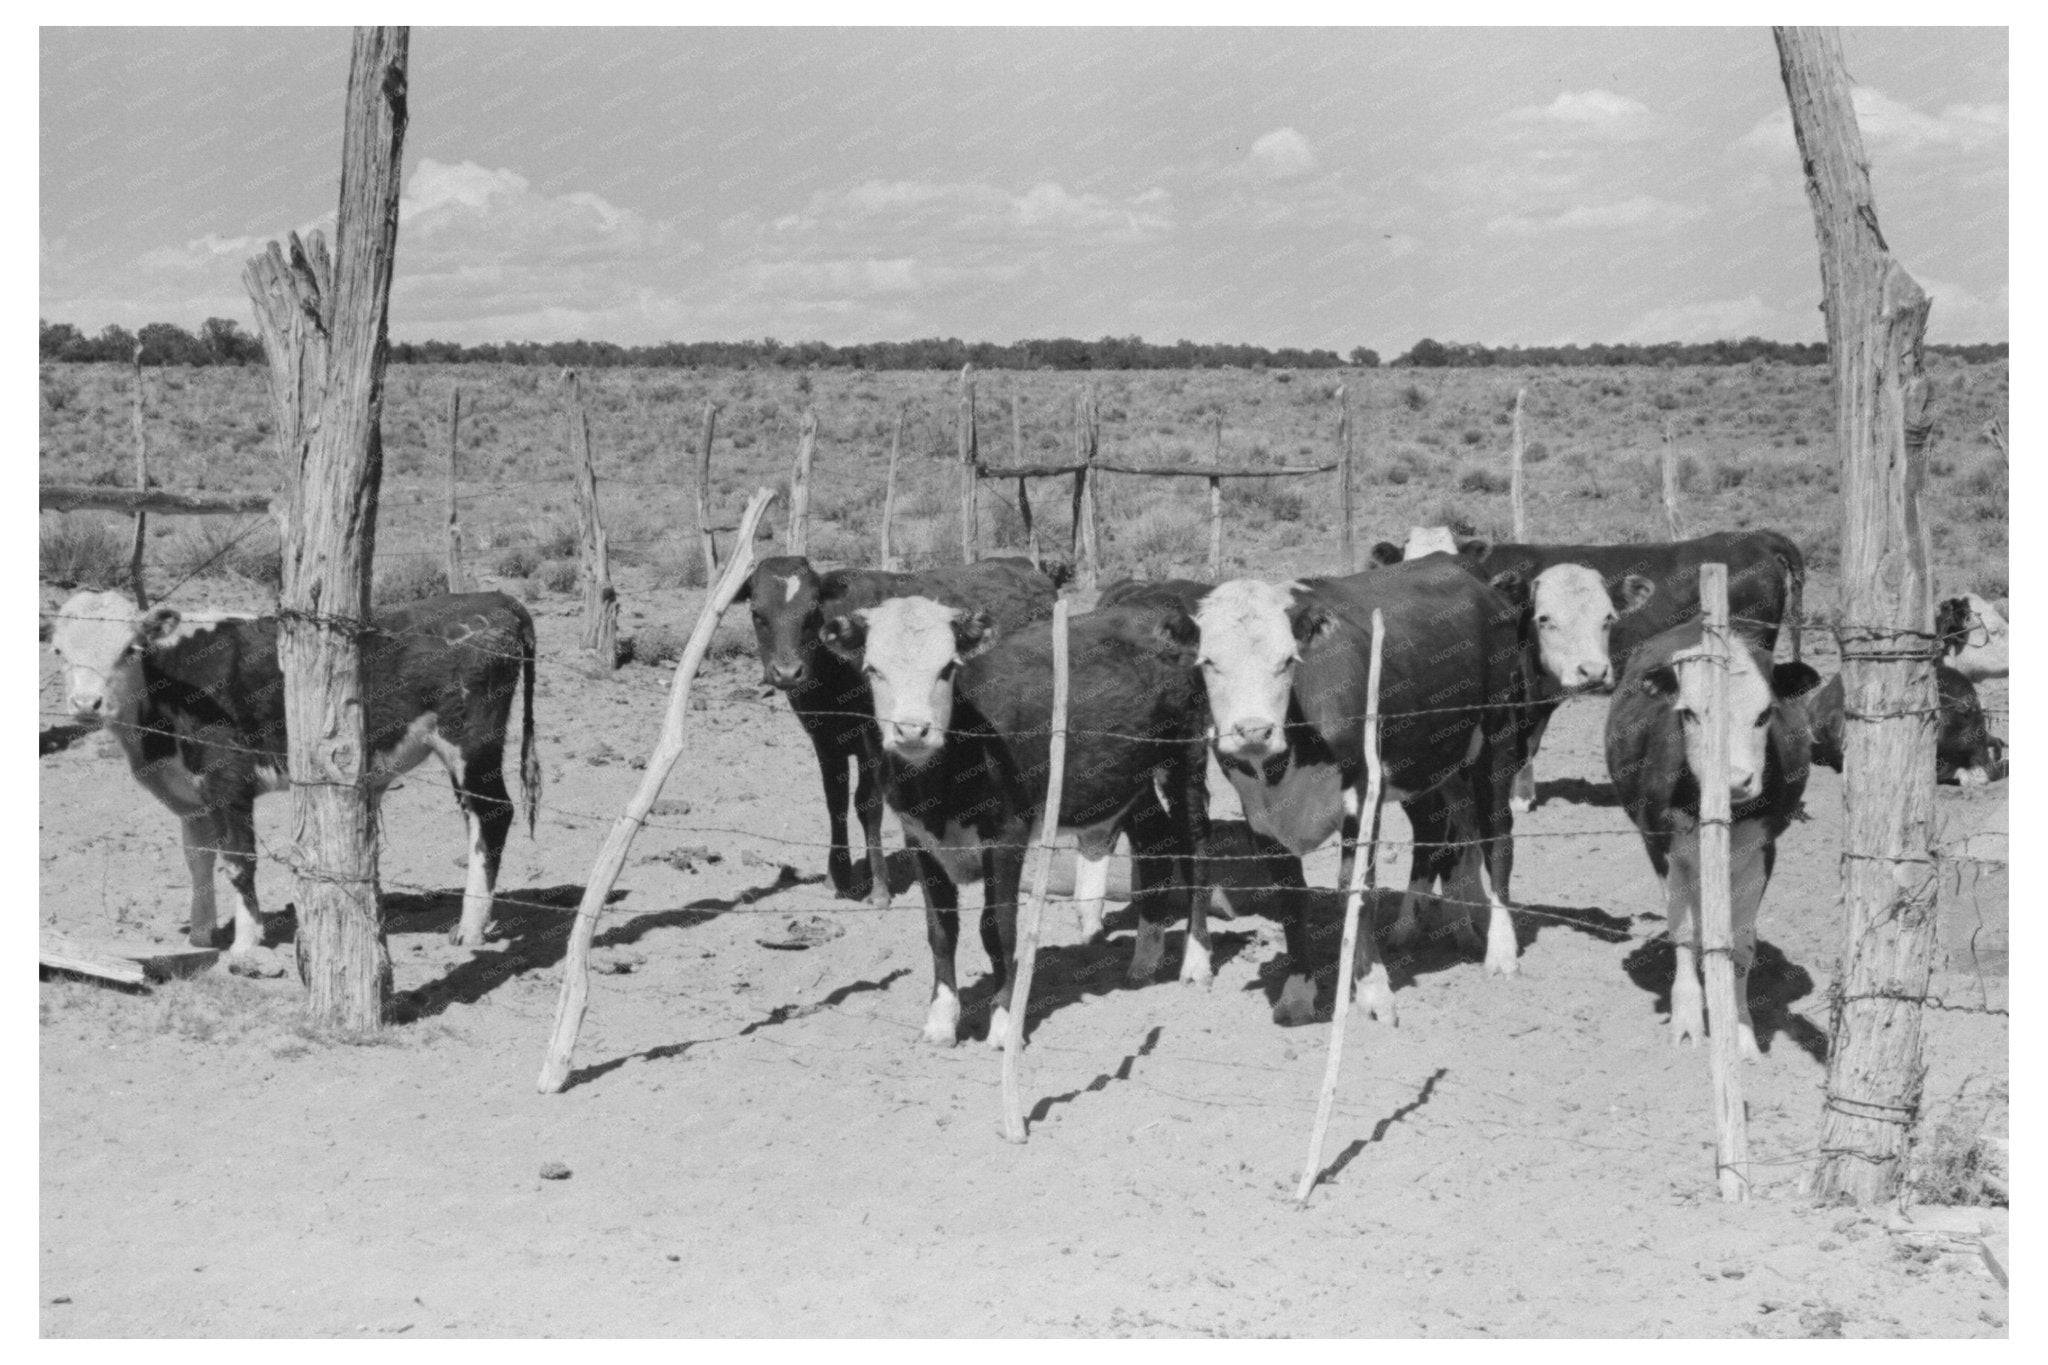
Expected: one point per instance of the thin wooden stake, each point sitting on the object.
(1717, 915)
(800, 485)
(1027, 924)
(611, 857)
(970, 529)
(1023, 484)
(705, 537)
(1216, 515)
(135, 584)
(1346, 549)
(1521, 511)
(889, 492)
(600, 601)
(1088, 560)
(458, 578)
(1673, 528)
(1361, 879)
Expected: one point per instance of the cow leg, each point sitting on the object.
(1749, 869)
(1682, 914)
(487, 806)
(1091, 885)
(1523, 798)
(867, 803)
(1376, 995)
(199, 839)
(942, 931)
(236, 826)
(1429, 827)
(1153, 866)
(838, 862)
(1002, 876)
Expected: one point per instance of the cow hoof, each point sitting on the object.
(998, 1028)
(255, 965)
(1376, 998)
(1297, 1003)
(1506, 963)
(1973, 777)
(1521, 805)
(942, 1021)
(879, 900)
(1747, 1042)
(458, 939)
(1194, 966)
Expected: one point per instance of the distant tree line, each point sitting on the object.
(221, 341)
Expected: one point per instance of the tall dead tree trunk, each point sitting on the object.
(135, 546)
(1876, 315)
(323, 323)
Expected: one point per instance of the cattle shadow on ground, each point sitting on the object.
(55, 739)
(1775, 981)
(1329, 1173)
(776, 1017)
(1579, 792)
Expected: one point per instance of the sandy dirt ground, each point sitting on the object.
(755, 1141)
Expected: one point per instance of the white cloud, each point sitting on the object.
(1708, 320)
(462, 214)
(1282, 154)
(899, 215)
(1593, 113)
(1891, 126)
(1642, 211)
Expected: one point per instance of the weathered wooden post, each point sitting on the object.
(1027, 925)
(1515, 494)
(1362, 880)
(1674, 528)
(611, 856)
(458, 577)
(600, 602)
(1023, 484)
(135, 584)
(1087, 547)
(970, 517)
(705, 538)
(1876, 318)
(1717, 910)
(323, 324)
(889, 492)
(1216, 511)
(799, 537)
(1345, 546)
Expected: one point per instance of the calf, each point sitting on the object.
(790, 600)
(1655, 752)
(198, 709)
(964, 721)
(1966, 753)
(1286, 669)
(1974, 637)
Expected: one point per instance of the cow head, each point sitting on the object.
(909, 648)
(783, 592)
(1751, 704)
(1430, 540)
(93, 634)
(1952, 624)
(1574, 611)
(1252, 635)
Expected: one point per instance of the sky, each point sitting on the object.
(1282, 187)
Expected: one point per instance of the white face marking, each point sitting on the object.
(92, 631)
(1749, 716)
(1573, 617)
(791, 586)
(1248, 654)
(1428, 540)
(910, 657)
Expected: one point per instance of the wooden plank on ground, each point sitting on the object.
(131, 964)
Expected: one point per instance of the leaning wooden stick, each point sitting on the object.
(1717, 910)
(611, 858)
(707, 541)
(1368, 820)
(1027, 923)
(135, 545)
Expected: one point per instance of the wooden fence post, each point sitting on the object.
(458, 576)
(323, 323)
(600, 602)
(1515, 494)
(1026, 960)
(889, 492)
(1346, 548)
(1716, 910)
(970, 528)
(1216, 513)
(1362, 879)
(1023, 484)
(1674, 528)
(1876, 319)
(705, 538)
(799, 537)
(1087, 540)
(611, 856)
(135, 584)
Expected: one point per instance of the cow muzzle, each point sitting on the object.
(1251, 740)
(783, 677)
(912, 740)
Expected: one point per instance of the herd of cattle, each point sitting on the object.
(932, 693)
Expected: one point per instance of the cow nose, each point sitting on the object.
(87, 707)
(913, 731)
(1254, 734)
(785, 675)
(1744, 788)
(1591, 676)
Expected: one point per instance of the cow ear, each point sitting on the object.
(158, 625)
(972, 633)
(1180, 640)
(845, 636)
(1311, 623)
(1791, 681)
(1661, 681)
(1475, 549)
(1512, 586)
(1386, 552)
(746, 592)
(1631, 593)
